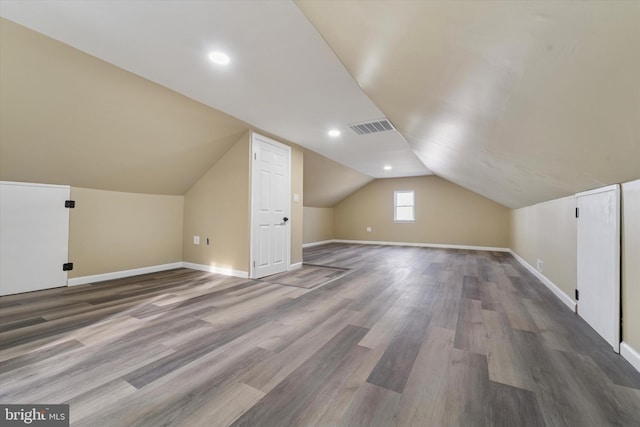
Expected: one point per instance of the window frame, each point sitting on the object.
(396, 206)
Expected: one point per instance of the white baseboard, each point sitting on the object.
(215, 269)
(121, 274)
(295, 266)
(323, 242)
(421, 245)
(566, 299)
(630, 354)
(154, 269)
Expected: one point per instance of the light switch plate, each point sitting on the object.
(196, 240)
(296, 198)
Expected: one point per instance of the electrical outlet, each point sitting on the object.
(196, 240)
(368, 229)
(539, 265)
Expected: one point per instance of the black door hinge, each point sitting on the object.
(70, 204)
(577, 212)
(67, 267)
(577, 295)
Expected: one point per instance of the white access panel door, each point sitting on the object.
(599, 261)
(34, 236)
(270, 189)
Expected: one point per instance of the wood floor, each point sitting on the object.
(307, 276)
(410, 336)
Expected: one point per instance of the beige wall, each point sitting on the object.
(70, 118)
(445, 213)
(327, 182)
(297, 212)
(547, 231)
(217, 207)
(631, 263)
(318, 224)
(112, 231)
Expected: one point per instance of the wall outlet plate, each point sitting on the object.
(368, 229)
(539, 265)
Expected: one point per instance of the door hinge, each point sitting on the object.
(577, 212)
(70, 204)
(254, 264)
(67, 266)
(255, 156)
(577, 295)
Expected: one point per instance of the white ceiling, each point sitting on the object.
(283, 77)
(520, 101)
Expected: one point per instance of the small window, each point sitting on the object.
(404, 204)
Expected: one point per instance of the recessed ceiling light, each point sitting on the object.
(219, 58)
(387, 168)
(334, 133)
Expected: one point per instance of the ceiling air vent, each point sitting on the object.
(374, 126)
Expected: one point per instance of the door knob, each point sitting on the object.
(285, 219)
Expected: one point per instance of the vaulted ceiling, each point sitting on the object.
(327, 182)
(518, 101)
(69, 118)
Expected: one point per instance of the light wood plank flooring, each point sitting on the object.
(408, 337)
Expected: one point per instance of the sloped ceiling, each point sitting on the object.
(518, 101)
(327, 182)
(282, 77)
(521, 102)
(69, 118)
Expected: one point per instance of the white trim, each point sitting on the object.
(154, 269)
(121, 274)
(322, 242)
(396, 206)
(631, 185)
(566, 299)
(34, 184)
(597, 190)
(215, 269)
(630, 354)
(253, 137)
(614, 320)
(295, 266)
(421, 245)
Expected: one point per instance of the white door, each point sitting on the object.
(34, 236)
(270, 206)
(599, 261)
